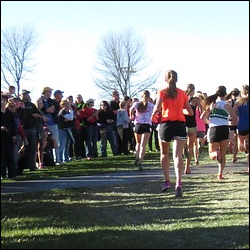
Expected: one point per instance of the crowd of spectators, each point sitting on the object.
(53, 130)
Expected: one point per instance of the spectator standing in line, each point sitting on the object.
(51, 109)
(41, 137)
(64, 127)
(106, 124)
(79, 102)
(18, 109)
(12, 91)
(215, 114)
(143, 125)
(74, 109)
(123, 126)
(30, 129)
(114, 105)
(90, 118)
(173, 103)
(58, 96)
(80, 129)
(8, 139)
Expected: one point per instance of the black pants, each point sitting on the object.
(7, 159)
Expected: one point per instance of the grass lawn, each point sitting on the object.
(211, 214)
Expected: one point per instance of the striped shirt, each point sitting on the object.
(218, 114)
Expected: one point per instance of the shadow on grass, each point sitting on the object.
(211, 215)
(193, 238)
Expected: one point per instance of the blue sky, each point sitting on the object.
(206, 43)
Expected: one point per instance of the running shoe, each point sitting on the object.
(166, 186)
(140, 166)
(136, 162)
(178, 192)
(220, 177)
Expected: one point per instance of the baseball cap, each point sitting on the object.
(58, 92)
(25, 91)
(90, 100)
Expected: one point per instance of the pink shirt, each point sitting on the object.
(201, 125)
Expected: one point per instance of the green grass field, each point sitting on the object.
(211, 214)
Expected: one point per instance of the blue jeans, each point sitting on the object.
(92, 138)
(108, 134)
(65, 140)
(54, 131)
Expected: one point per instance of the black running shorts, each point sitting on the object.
(170, 129)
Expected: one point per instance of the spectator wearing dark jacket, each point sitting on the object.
(51, 109)
(106, 124)
(30, 128)
(8, 138)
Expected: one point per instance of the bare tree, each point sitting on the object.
(17, 51)
(122, 63)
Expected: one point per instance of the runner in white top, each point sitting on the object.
(141, 113)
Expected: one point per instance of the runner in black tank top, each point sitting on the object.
(191, 127)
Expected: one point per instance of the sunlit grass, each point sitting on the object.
(106, 165)
(211, 215)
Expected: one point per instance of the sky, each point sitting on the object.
(205, 42)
